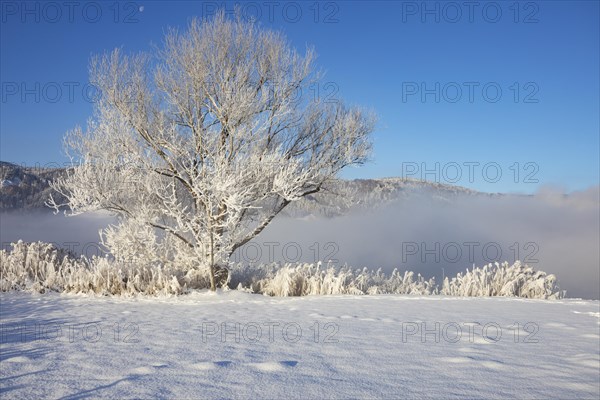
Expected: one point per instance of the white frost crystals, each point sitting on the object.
(40, 267)
(517, 280)
(197, 149)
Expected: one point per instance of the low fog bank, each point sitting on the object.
(555, 233)
(79, 234)
(549, 231)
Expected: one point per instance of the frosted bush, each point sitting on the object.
(515, 280)
(42, 267)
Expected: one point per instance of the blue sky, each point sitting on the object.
(463, 93)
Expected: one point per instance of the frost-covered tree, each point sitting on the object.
(205, 142)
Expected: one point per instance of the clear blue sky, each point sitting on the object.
(543, 56)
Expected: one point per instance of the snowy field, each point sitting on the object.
(68, 346)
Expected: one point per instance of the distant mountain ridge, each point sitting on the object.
(29, 188)
(341, 195)
(26, 187)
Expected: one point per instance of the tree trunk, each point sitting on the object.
(211, 274)
(211, 269)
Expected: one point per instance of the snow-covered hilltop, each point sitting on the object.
(25, 187)
(29, 188)
(342, 195)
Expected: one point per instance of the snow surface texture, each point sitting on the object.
(40, 267)
(381, 346)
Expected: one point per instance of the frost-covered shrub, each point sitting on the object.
(36, 266)
(515, 280)
(314, 279)
(40, 267)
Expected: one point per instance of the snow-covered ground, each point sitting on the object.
(67, 346)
